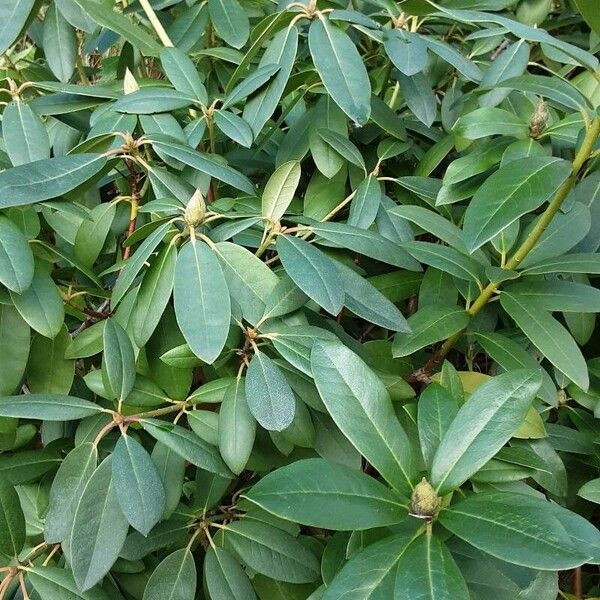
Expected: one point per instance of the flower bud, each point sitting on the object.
(195, 210)
(425, 503)
(539, 119)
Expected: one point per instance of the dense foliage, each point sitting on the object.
(297, 300)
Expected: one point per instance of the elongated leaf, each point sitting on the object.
(118, 367)
(323, 494)
(120, 24)
(60, 44)
(360, 405)
(182, 73)
(234, 127)
(207, 164)
(154, 294)
(548, 336)
(13, 17)
(250, 84)
(249, 280)
(557, 295)
(482, 426)
(201, 300)
(272, 552)
(510, 193)
(137, 484)
(279, 190)
(12, 521)
(16, 258)
(49, 407)
(56, 583)
(428, 325)
(367, 242)
(341, 69)
(99, 529)
(187, 444)
(312, 271)
(48, 178)
(225, 578)
(175, 577)
(437, 410)
(152, 100)
(28, 140)
(427, 570)
(406, 50)
(67, 487)
(237, 427)
(15, 342)
(269, 396)
(230, 21)
(371, 573)
(513, 529)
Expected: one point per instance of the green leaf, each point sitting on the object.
(371, 573)
(343, 146)
(548, 336)
(485, 121)
(568, 263)
(406, 50)
(153, 296)
(137, 484)
(360, 405)
(312, 271)
(234, 127)
(249, 280)
(118, 363)
(44, 179)
(322, 494)
(419, 97)
(280, 52)
(40, 304)
(509, 193)
(67, 487)
(588, 11)
(182, 73)
(250, 84)
(174, 578)
(60, 44)
(366, 242)
(510, 356)
(341, 69)
(558, 295)
(150, 100)
(13, 16)
(187, 444)
(271, 551)
(15, 341)
(237, 427)
(224, 577)
(429, 324)
(268, 394)
(12, 521)
(280, 190)
(590, 491)
(28, 140)
(201, 300)
(48, 407)
(134, 264)
(54, 583)
(468, 69)
(103, 15)
(206, 164)
(230, 21)
(47, 369)
(427, 570)
(482, 426)
(99, 529)
(437, 410)
(446, 259)
(366, 301)
(16, 258)
(366, 203)
(514, 529)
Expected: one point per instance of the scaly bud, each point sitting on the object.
(539, 119)
(425, 503)
(195, 210)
